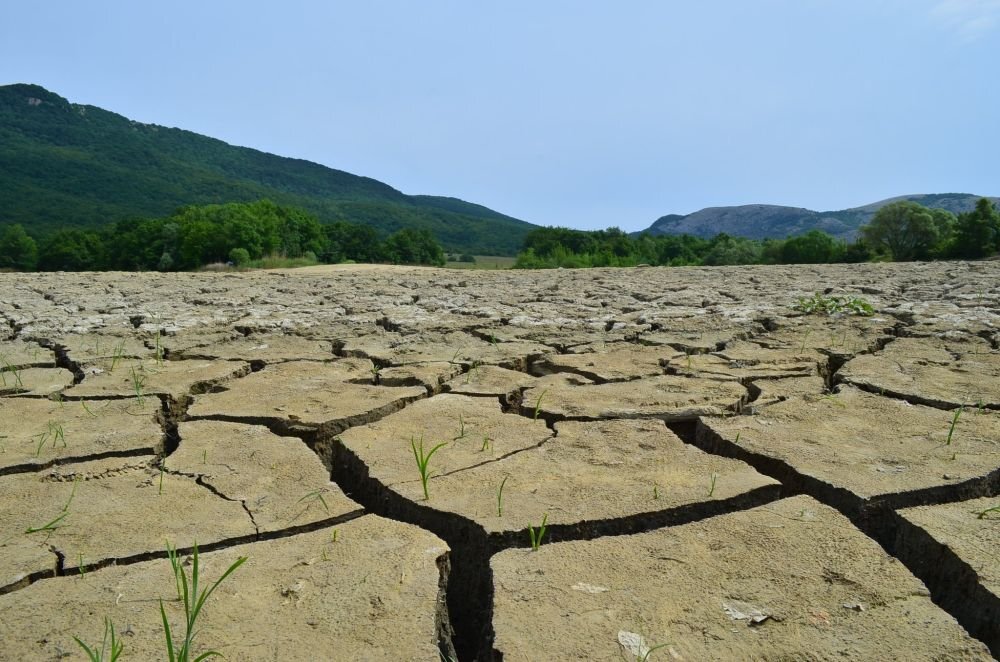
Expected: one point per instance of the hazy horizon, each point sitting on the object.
(567, 115)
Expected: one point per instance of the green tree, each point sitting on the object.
(18, 251)
(813, 247)
(977, 233)
(71, 250)
(411, 246)
(905, 230)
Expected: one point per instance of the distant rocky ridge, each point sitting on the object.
(776, 221)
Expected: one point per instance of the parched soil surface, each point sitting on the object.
(421, 464)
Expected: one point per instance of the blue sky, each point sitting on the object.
(579, 113)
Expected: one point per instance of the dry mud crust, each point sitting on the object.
(138, 379)
(305, 396)
(34, 381)
(278, 480)
(861, 452)
(666, 397)
(39, 432)
(931, 371)
(789, 580)
(746, 361)
(454, 347)
(21, 354)
(260, 349)
(955, 549)
(490, 380)
(375, 593)
(620, 362)
(588, 479)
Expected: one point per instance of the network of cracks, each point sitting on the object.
(669, 464)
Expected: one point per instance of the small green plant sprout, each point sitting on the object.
(175, 565)
(111, 646)
(461, 427)
(454, 357)
(87, 409)
(985, 514)
(819, 304)
(486, 444)
(954, 422)
(117, 354)
(832, 399)
(57, 521)
(538, 403)
(711, 487)
(194, 601)
(163, 467)
(8, 368)
(80, 565)
(138, 384)
(805, 338)
(737, 440)
(376, 371)
(333, 536)
(500, 496)
(54, 432)
(644, 657)
(656, 492)
(159, 349)
(535, 536)
(423, 460)
(316, 496)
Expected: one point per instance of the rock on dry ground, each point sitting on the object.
(711, 473)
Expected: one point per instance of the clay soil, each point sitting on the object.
(711, 473)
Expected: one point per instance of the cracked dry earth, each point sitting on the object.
(721, 477)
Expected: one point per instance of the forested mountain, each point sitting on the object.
(777, 222)
(71, 165)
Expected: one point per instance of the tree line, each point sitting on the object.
(900, 231)
(239, 234)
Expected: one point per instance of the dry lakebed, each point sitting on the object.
(424, 464)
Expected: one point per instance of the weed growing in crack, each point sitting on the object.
(954, 422)
(500, 496)
(711, 487)
(80, 566)
(57, 521)
(55, 432)
(538, 404)
(193, 604)
(818, 303)
(163, 467)
(984, 514)
(111, 645)
(536, 536)
(473, 371)
(376, 371)
(423, 459)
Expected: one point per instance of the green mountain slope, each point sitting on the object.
(71, 165)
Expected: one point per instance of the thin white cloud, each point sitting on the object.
(970, 19)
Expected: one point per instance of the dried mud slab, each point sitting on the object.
(771, 391)
(746, 361)
(670, 398)
(305, 395)
(93, 347)
(172, 379)
(34, 381)
(474, 431)
(931, 372)
(589, 479)
(279, 481)
(401, 349)
(789, 580)
(860, 450)
(432, 376)
(615, 364)
(490, 380)
(955, 549)
(40, 432)
(21, 354)
(374, 594)
(839, 336)
(119, 508)
(264, 348)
